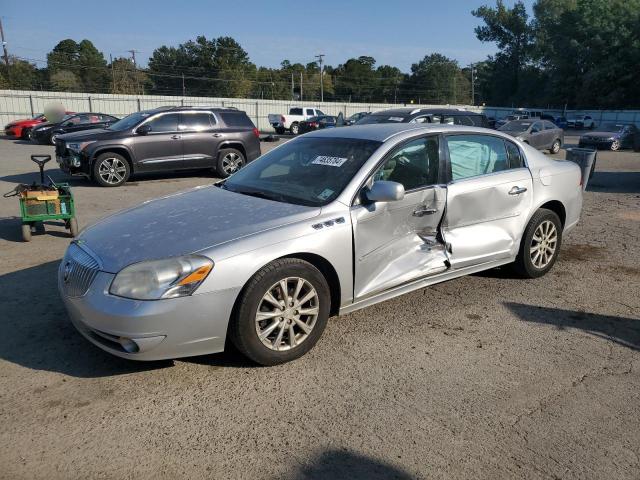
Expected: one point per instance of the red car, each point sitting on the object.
(21, 128)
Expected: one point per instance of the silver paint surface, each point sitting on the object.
(395, 251)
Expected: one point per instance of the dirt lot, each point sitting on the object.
(486, 376)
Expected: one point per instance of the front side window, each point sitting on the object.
(536, 127)
(305, 171)
(196, 122)
(164, 123)
(319, 112)
(310, 111)
(414, 165)
(474, 155)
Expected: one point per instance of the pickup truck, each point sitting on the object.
(291, 122)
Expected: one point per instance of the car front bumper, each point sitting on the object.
(151, 329)
(595, 144)
(12, 131)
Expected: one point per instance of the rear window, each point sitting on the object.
(295, 111)
(237, 120)
(369, 119)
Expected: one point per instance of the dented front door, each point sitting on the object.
(396, 242)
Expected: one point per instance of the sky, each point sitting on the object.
(396, 33)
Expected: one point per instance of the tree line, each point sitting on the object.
(573, 53)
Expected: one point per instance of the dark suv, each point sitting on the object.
(163, 139)
(426, 115)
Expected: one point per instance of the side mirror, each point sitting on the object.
(385, 191)
(144, 129)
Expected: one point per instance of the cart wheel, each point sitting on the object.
(73, 227)
(26, 232)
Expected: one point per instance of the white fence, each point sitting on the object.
(20, 104)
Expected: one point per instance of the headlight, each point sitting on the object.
(78, 147)
(156, 279)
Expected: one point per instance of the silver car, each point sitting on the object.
(328, 223)
(541, 134)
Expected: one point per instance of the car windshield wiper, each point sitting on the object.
(258, 193)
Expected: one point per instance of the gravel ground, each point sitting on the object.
(487, 376)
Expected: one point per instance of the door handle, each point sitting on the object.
(517, 190)
(421, 212)
(176, 137)
(217, 135)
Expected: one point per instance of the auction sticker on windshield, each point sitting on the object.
(329, 161)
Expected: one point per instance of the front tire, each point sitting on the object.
(281, 312)
(615, 145)
(111, 170)
(54, 137)
(540, 244)
(555, 147)
(229, 162)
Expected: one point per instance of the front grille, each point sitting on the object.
(77, 271)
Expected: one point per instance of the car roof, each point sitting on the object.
(381, 132)
(188, 107)
(424, 111)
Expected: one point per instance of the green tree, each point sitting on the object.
(19, 75)
(65, 81)
(84, 61)
(437, 79)
(590, 49)
(511, 31)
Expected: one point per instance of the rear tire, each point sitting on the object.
(295, 128)
(279, 130)
(229, 162)
(73, 227)
(261, 332)
(540, 244)
(110, 170)
(24, 134)
(26, 232)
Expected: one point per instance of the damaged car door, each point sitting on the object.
(397, 241)
(489, 198)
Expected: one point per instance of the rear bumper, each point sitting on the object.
(595, 145)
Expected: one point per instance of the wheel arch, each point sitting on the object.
(321, 263)
(119, 149)
(237, 144)
(557, 207)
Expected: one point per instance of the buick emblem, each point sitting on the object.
(66, 272)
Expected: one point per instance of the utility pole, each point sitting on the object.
(135, 69)
(319, 57)
(183, 89)
(4, 45)
(473, 84)
(113, 75)
(300, 86)
(292, 97)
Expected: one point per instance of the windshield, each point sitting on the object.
(129, 121)
(305, 171)
(369, 119)
(516, 126)
(611, 127)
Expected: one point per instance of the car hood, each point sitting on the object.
(91, 134)
(184, 223)
(24, 121)
(515, 133)
(602, 134)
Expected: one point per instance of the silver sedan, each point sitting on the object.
(328, 223)
(541, 134)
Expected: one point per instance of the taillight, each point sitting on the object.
(313, 124)
(256, 132)
(282, 119)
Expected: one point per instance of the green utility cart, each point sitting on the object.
(41, 203)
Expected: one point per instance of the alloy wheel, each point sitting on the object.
(231, 163)
(615, 145)
(287, 313)
(543, 244)
(54, 137)
(555, 148)
(112, 170)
